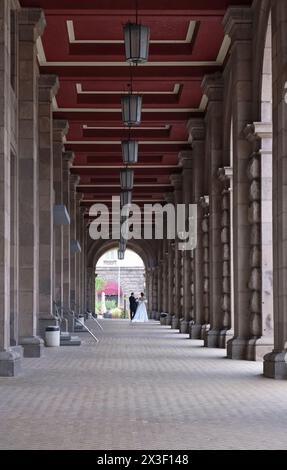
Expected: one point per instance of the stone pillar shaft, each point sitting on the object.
(197, 134)
(212, 86)
(31, 25)
(275, 363)
(60, 130)
(48, 87)
(68, 158)
(238, 25)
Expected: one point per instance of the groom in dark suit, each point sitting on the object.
(133, 305)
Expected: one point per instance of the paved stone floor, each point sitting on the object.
(142, 387)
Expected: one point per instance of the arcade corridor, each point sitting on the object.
(141, 387)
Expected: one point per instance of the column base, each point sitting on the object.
(32, 345)
(249, 349)
(211, 339)
(175, 323)
(275, 365)
(44, 322)
(168, 319)
(195, 330)
(224, 337)
(184, 327)
(157, 316)
(10, 362)
(163, 319)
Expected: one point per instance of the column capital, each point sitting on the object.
(48, 87)
(79, 197)
(68, 158)
(185, 159)
(212, 86)
(237, 23)
(74, 180)
(225, 173)
(60, 129)
(169, 197)
(32, 23)
(176, 180)
(204, 202)
(196, 130)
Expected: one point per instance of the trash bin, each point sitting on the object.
(52, 336)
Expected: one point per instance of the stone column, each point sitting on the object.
(176, 181)
(260, 219)
(212, 86)
(74, 181)
(185, 160)
(10, 357)
(169, 198)
(31, 24)
(60, 130)
(68, 158)
(155, 291)
(238, 25)
(48, 86)
(200, 256)
(78, 256)
(275, 365)
(204, 203)
(227, 304)
(91, 288)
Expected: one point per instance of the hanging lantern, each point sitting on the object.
(127, 179)
(126, 198)
(122, 244)
(131, 109)
(130, 151)
(121, 255)
(124, 230)
(136, 42)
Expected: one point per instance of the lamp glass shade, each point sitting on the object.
(136, 37)
(127, 179)
(131, 109)
(121, 254)
(126, 198)
(130, 151)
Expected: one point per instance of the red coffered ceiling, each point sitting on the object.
(83, 45)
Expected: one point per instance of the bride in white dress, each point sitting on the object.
(141, 312)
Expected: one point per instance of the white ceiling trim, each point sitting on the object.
(120, 128)
(97, 185)
(80, 91)
(78, 167)
(118, 110)
(118, 142)
(73, 40)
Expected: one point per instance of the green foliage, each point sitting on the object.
(100, 283)
(111, 304)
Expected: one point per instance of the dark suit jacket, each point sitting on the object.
(133, 303)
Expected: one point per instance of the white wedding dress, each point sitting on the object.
(141, 313)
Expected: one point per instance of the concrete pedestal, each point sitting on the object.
(212, 339)
(32, 346)
(10, 362)
(275, 365)
(184, 327)
(195, 331)
(175, 323)
(249, 349)
(224, 337)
